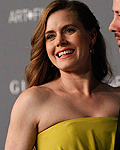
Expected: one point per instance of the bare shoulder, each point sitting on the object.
(110, 88)
(30, 102)
(110, 91)
(25, 107)
(115, 89)
(114, 92)
(25, 117)
(34, 94)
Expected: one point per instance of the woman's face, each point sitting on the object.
(67, 42)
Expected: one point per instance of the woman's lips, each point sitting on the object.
(65, 53)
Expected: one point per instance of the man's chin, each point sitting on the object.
(119, 48)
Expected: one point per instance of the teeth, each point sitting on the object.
(64, 53)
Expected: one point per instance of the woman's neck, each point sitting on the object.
(73, 83)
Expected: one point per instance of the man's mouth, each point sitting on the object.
(117, 36)
(66, 52)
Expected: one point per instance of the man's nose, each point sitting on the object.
(112, 26)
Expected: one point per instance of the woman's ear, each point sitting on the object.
(93, 36)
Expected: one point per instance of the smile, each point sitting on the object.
(64, 53)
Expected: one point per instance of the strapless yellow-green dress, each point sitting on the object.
(92, 133)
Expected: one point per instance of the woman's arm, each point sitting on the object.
(23, 124)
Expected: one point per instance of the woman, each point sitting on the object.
(66, 105)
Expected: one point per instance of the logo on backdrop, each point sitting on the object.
(24, 15)
(16, 87)
(116, 81)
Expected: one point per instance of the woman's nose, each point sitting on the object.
(61, 41)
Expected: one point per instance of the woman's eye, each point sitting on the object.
(49, 37)
(70, 30)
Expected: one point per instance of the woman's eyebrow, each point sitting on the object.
(64, 27)
(49, 31)
(68, 25)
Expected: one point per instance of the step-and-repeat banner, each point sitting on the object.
(18, 20)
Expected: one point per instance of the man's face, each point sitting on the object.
(115, 24)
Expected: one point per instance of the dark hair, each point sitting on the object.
(39, 70)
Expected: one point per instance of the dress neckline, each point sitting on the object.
(80, 120)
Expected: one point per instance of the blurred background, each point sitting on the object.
(18, 20)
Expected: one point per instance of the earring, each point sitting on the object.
(92, 51)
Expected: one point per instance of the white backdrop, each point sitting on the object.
(17, 23)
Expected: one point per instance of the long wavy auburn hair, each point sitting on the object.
(40, 70)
